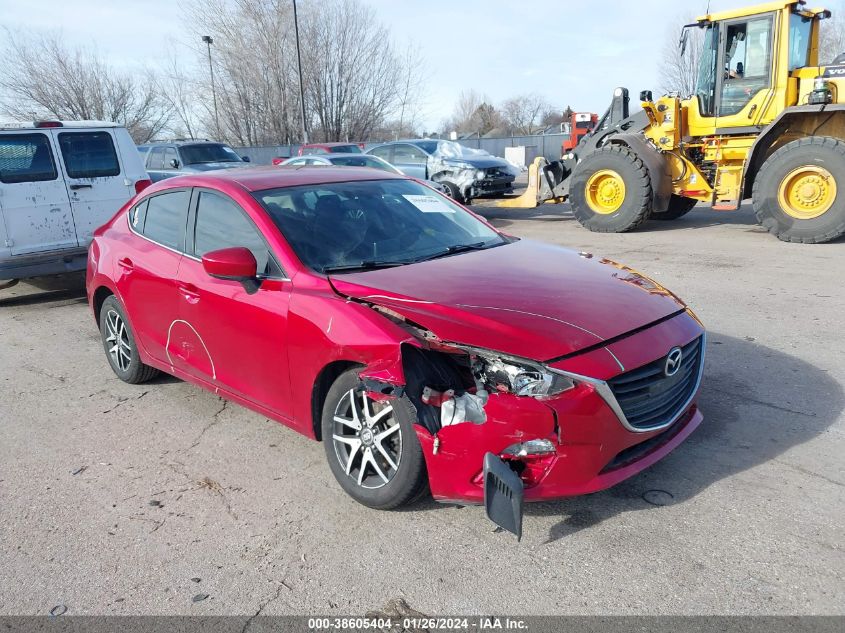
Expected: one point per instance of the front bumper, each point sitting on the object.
(594, 449)
(489, 187)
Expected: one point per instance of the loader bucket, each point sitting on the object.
(528, 200)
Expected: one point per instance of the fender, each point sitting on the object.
(804, 120)
(655, 163)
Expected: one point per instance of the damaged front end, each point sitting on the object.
(486, 430)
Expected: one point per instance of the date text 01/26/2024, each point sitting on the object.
(485, 623)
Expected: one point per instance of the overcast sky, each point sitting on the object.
(573, 53)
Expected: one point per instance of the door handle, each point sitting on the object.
(80, 186)
(190, 292)
(752, 111)
(126, 264)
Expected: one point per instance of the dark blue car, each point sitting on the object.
(179, 157)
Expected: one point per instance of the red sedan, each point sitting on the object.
(425, 349)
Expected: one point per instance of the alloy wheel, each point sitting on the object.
(367, 439)
(117, 334)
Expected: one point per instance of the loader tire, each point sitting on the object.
(799, 192)
(611, 190)
(678, 207)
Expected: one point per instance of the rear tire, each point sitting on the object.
(678, 207)
(611, 190)
(406, 481)
(120, 346)
(799, 192)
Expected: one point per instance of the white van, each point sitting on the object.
(59, 181)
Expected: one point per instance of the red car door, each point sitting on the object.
(229, 337)
(147, 265)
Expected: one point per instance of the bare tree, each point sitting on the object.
(43, 76)
(678, 70)
(832, 36)
(354, 80)
(180, 89)
(353, 71)
(410, 96)
(523, 113)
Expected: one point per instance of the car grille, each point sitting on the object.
(649, 398)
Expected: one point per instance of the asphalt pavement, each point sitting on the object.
(164, 499)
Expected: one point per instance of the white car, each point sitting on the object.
(59, 181)
(354, 160)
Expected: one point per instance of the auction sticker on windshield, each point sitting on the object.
(428, 204)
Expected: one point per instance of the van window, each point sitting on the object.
(222, 224)
(167, 214)
(26, 158)
(89, 154)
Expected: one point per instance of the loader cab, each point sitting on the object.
(743, 78)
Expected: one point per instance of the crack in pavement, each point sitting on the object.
(123, 401)
(276, 595)
(741, 396)
(809, 472)
(216, 421)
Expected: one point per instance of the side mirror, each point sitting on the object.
(245, 159)
(682, 42)
(233, 264)
(174, 163)
(646, 95)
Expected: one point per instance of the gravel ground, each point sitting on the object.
(119, 499)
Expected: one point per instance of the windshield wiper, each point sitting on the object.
(365, 265)
(458, 248)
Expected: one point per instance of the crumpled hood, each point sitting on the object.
(479, 162)
(527, 299)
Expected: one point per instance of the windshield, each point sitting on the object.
(366, 224)
(427, 146)
(344, 149)
(364, 161)
(208, 153)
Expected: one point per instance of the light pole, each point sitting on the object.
(209, 41)
(299, 68)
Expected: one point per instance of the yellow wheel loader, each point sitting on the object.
(766, 122)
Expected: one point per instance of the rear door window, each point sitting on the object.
(382, 152)
(89, 154)
(156, 158)
(166, 216)
(409, 155)
(26, 158)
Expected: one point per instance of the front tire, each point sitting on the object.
(611, 190)
(120, 346)
(372, 447)
(453, 192)
(679, 206)
(799, 192)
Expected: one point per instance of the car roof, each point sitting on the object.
(182, 141)
(273, 177)
(27, 125)
(333, 155)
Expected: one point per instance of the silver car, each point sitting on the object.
(355, 160)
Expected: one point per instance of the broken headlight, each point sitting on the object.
(520, 377)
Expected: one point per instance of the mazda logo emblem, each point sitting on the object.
(673, 361)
